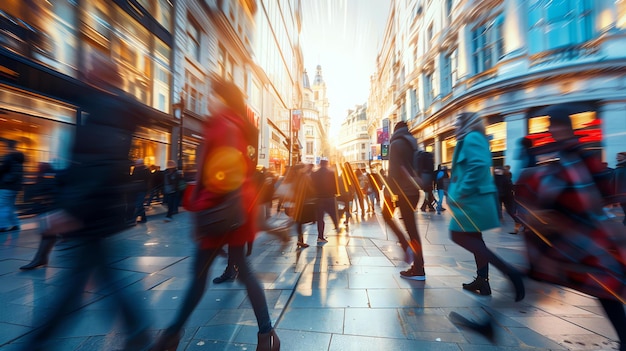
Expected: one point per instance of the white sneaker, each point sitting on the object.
(322, 240)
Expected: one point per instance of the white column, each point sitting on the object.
(514, 25)
(437, 150)
(514, 32)
(516, 129)
(613, 116)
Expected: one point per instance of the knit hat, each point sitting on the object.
(171, 164)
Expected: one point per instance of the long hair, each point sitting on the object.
(230, 94)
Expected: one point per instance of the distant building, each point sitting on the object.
(354, 141)
(505, 60)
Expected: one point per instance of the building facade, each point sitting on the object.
(47, 50)
(506, 60)
(354, 140)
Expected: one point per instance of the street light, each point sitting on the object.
(179, 113)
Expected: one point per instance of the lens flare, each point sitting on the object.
(225, 170)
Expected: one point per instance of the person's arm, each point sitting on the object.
(475, 164)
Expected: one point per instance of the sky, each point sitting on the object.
(344, 37)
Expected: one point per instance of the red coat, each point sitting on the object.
(229, 129)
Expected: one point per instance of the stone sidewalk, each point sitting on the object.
(346, 294)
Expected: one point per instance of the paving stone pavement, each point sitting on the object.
(346, 294)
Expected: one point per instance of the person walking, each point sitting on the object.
(403, 187)
(47, 191)
(171, 179)
(472, 200)
(11, 178)
(325, 185)
(570, 240)
(226, 129)
(442, 180)
(139, 178)
(619, 179)
(90, 208)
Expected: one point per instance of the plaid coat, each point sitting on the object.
(570, 240)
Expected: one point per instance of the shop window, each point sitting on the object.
(585, 124)
(497, 136)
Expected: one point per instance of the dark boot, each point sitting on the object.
(268, 342)
(41, 257)
(518, 283)
(479, 286)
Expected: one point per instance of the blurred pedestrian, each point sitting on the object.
(11, 178)
(171, 179)
(139, 179)
(442, 180)
(404, 189)
(619, 179)
(46, 194)
(91, 208)
(226, 129)
(305, 203)
(325, 186)
(504, 185)
(570, 240)
(473, 199)
(155, 185)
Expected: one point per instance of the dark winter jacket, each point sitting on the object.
(400, 159)
(324, 183)
(12, 171)
(96, 183)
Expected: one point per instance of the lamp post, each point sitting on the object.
(179, 113)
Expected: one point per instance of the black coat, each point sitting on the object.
(400, 159)
(96, 183)
(12, 171)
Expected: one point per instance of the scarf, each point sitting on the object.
(468, 122)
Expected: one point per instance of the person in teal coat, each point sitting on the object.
(473, 201)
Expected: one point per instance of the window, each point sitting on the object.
(414, 103)
(309, 147)
(487, 44)
(446, 74)
(429, 95)
(193, 40)
(555, 24)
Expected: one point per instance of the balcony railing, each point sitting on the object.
(565, 54)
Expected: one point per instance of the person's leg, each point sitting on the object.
(203, 259)
(14, 222)
(391, 223)
(43, 252)
(320, 218)
(474, 243)
(256, 294)
(170, 200)
(5, 209)
(440, 202)
(407, 210)
(140, 210)
(83, 259)
(333, 212)
(615, 312)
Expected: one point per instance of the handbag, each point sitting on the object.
(220, 219)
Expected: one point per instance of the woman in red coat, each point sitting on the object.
(227, 162)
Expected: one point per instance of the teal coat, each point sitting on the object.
(472, 195)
